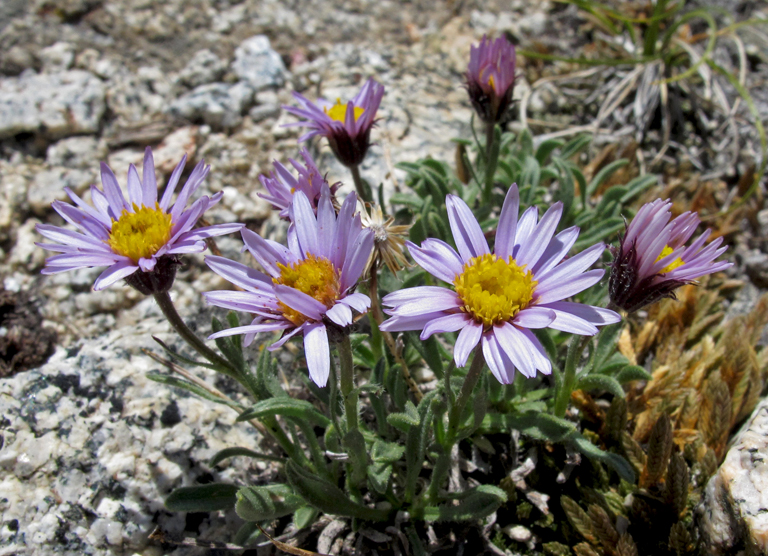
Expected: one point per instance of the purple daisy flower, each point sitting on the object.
(499, 297)
(308, 287)
(131, 236)
(347, 126)
(281, 185)
(653, 260)
(491, 78)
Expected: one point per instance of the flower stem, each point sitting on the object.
(563, 396)
(362, 190)
(443, 464)
(378, 317)
(169, 310)
(222, 365)
(358, 457)
(491, 159)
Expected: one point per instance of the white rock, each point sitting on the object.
(77, 152)
(733, 513)
(54, 104)
(258, 65)
(219, 105)
(204, 67)
(57, 57)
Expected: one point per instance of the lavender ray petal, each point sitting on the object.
(165, 201)
(558, 292)
(340, 314)
(468, 338)
(113, 274)
(505, 231)
(534, 317)
(301, 302)
(467, 234)
(448, 323)
(318, 353)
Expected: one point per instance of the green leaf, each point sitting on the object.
(202, 498)
(636, 186)
(475, 503)
(386, 452)
(416, 442)
(189, 387)
(599, 232)
(404, 421)
(575, 145)
(605, 172)
(541, 426)
(230, 346)
(181, 358)
(305, 516)
(328, 498)
(227, 453)
(546, 148)
(606, 344)
(600, 382)
(616, 462)
(287, 407)
(262, 503)
(632, 372)
(408, 200)
(429, 350)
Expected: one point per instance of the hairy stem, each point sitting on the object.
(443, 464)
(359, 457)
(362, 190)
(378, 316)
(491, 159)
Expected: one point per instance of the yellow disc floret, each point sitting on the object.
(141, 233)
(493, 290)
(338, 111)
(678, 262)
(314, 276)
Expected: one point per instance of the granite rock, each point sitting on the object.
(258, 65)
(91, 447)
(53, 105)
(220, 105)
(204, 67)
(734, 512)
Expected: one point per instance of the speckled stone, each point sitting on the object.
(90, 449)
(734, 512)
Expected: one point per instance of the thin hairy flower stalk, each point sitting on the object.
(443, 464)
(169, 310)
(272, 429)
(350, 397)
(491, 159)
(378, 316)
(362, 190)
(563, 396)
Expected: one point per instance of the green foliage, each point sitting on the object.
(202, 498)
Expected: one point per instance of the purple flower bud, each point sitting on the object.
(491, 78)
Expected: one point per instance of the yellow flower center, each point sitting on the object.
(494, 290)
(338, 111)
(678, 262)
(314, 276)
(140, 234)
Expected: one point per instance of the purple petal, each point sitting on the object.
(466, 342)
(534, 317)
(558, 292)
(578, 318)
(149, 182)
(165, 201)
(421, 300)
(211, 231)
(540, 359)
(112, 192)
(572, 267)
(195, 179)
(266, 252)
(303, 218)
(448, 323)
(135, 194)
(513, 343)
(340, 314)
(147, 265)
(250, 302)
(301, 302)
(467, 234)
(536, 244)
(114, 273)
(402, 324)
(251, 329)
(358, 301)
(497, 360)
(357, 258)
(505, 231)
(438, 258)
(555, 251)
(240, 275)
(318, 353)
